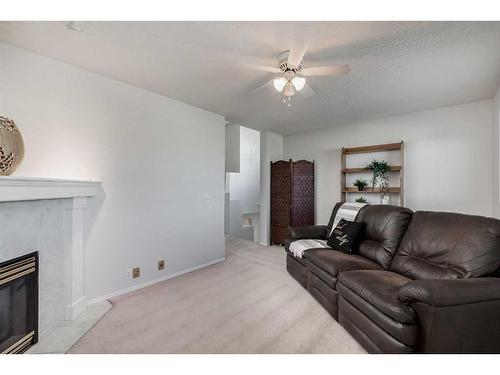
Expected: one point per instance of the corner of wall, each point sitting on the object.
(496, 154)
(271, 149)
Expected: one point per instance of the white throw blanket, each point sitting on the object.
(298, 247)
(348, 211)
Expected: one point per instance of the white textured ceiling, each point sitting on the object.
(396, 67)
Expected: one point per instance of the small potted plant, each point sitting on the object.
(361, 200)
(380, 169)
(360, 183)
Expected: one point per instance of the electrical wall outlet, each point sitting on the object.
(128, 274)
(161, 265)
(136, 272)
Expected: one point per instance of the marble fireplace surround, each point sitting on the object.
(48, 216)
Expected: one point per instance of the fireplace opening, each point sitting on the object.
(19, 304)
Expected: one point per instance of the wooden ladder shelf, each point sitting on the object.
(344, 190)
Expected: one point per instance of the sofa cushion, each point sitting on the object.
(328, 279)
(378, 289)
(385, 227)
(448, 245)
(323, 293)
(334, 261)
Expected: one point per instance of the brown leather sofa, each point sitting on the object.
(421, 282)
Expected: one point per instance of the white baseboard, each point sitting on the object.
(75, 309)
(152, 282)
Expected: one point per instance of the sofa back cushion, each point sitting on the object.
(385, 227)
(446, 245)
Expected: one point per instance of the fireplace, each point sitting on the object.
(18, 304)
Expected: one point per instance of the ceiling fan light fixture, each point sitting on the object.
(298, 83)
(288, 90)
(279, 83)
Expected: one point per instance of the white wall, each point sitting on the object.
(161, 163)
(232, 148)
(271, 149)
(448, 157)
(245, 185)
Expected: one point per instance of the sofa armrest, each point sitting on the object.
(455, 316)
(446, 292)
(312, 232)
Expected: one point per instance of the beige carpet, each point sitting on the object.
(247, 304)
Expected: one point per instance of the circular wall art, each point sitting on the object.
(11, 146)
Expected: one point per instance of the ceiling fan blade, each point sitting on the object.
(307, 91)
(325, 70)
(264, 86)
(296, 54)
(262, 68)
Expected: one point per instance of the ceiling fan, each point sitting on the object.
(292, 75)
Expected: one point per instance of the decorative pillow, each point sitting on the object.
(346, 236)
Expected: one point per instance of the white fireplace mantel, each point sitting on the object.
(27, 188)
(16, 189)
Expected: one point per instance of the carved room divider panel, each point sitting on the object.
(292, 197)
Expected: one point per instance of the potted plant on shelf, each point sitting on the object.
(361, 200)
(360, 183)
(380, 169)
